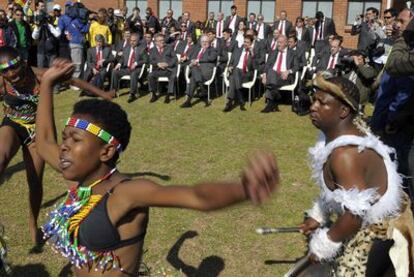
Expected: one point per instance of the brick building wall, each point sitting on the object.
(198, 9)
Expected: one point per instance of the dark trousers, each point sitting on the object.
(98, 79)
(153, 79)
(236, 80)
(45, 60)
(197, 78)
(134, 74)
(273, 83)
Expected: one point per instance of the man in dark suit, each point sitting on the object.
(222, 54)
(186, 19)
(299, 48)
(168, 21)
(203, 61)
(367, 30)
(280, 69)
(233, 20)
(283, 25)
(271, 43)
(258, 50)
(152, 21)
(147, 42)
(133, 58)
(164, 64)
(263, 29)
(220, 25)
(324, 27)
(210, 22)
(251, 24)
(241, 68)
(134, 22)
(230, 43)
(185, 48)
(97, 60)
(329, 60)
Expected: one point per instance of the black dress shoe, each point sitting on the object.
(132, 97)
(270, 106)
(242, 107)
(228, 107)
(167, 99)
(153, 98)
(186, 104)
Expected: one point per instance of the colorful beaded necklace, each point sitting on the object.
(10, 63)
(64, 223)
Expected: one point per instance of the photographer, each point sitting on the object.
(361, 74)
(369, 30)
(384, 45)
(134, 22)
(74, 26)
(46, 36)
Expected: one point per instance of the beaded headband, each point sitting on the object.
(94, 130)
(10, 63)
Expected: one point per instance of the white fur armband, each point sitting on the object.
(322, 246)
(358, 202)
(317, 212)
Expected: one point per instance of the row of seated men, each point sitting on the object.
(276, 60)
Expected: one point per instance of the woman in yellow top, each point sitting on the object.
(100, 27)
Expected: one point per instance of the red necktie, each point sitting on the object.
(132, 58)
(246, 57)
(160, 51)
(273, 44)
(279, 62)
(200, 54)
(2, 40)
(332, 63)
(280, 27)
(219, 29)
(98, 57)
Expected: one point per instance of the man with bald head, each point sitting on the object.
(203, 60)
(280, 70)
(220, 25)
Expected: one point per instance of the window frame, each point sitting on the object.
(160, 16)
(317, 6)
(220, 7)
(260, 10)
(364, 8)
(136, 5)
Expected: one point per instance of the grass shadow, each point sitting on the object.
(30, 270)
(52, 201)
(66, 271)
(150, 174)
(209, 267)
(8, 173)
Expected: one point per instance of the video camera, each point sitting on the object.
(42, 18)
(78, 11)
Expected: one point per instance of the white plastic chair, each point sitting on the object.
(166, 79)
(292, 86)
(312, 55)
(206, 83)
(226, 82)
(249, 86)
(128, 77)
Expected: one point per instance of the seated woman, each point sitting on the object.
(102, 224)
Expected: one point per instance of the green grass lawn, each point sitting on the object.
(185, 146)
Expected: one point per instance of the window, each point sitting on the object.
(264, 7)
(309, 8)
(356, 8)
(141, 4)
(217, 6)
(175, 5)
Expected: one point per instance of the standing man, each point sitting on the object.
(220, 25)
(210, 22)
(133, 58)
(164, 64)
(22, 32)
(134, 22)
(168, 21)
(233, 20)
(280, 70)
(203, 60)
(263, 29)
(252, 21)
(100, 27)
(324, 27)
(186, 19)
(283, 24)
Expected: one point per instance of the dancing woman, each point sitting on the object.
(19, 85)
(101, 225)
